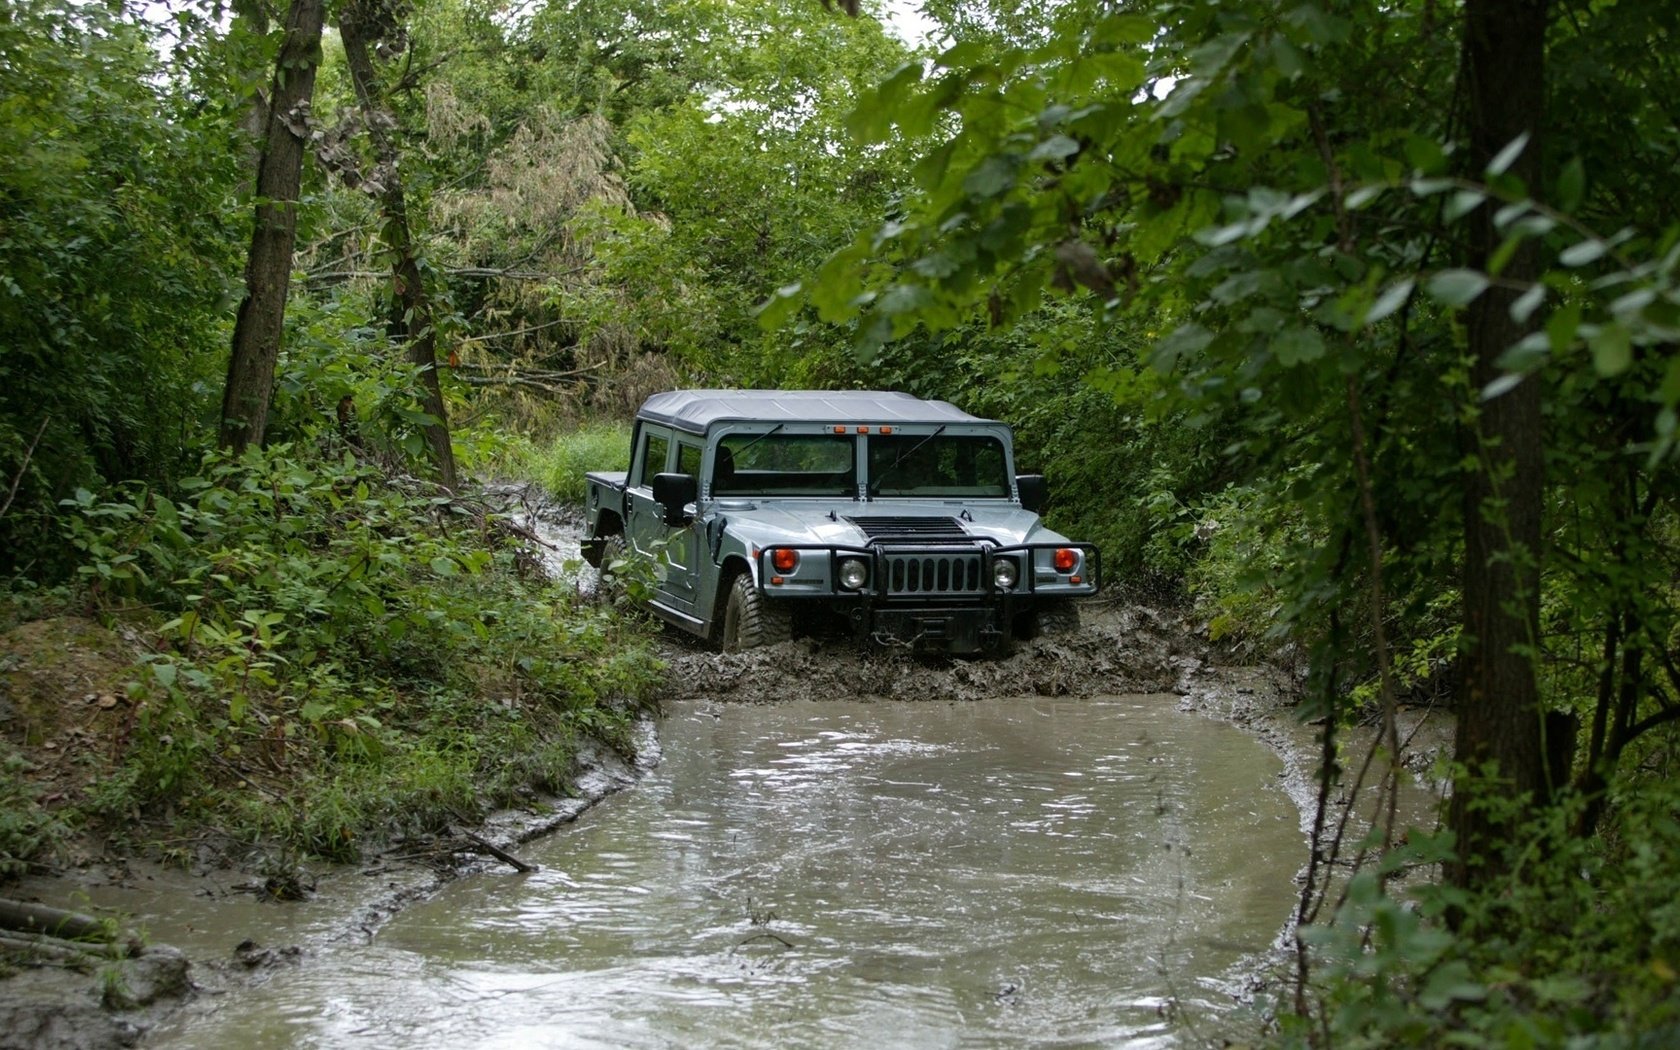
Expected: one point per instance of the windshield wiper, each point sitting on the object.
(756, 440)
(898, 461)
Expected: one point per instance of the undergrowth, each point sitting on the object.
(1575, 942)
(560, 462)
(27, 828)
(341, 656)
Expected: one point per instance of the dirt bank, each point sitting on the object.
(229, 924)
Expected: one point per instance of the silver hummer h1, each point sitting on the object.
(900, 518)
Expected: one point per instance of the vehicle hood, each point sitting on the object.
(846, 523)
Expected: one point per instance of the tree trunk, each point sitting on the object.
(411, 313)
(1500, 724)
(268, 269)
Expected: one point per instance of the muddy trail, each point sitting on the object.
(238, 941)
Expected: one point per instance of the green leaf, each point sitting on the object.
(1425, 155)
(1582, 252)
(1506, 157)
(1563, 325)
(1184, 340)
(443, 566)
(1296, 346)
(1463, 203)
(904, 298)
(1528, 302)
(1054, 148)
(1503, 385)
(1456, 287)
(1392, 299)
(995, 175)
(1363, 195)
(1451, 981)
(774, 311)
(1612, 349)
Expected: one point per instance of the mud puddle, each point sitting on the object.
(1004, 872)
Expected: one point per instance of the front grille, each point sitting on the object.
(893, 530)
(933, 574)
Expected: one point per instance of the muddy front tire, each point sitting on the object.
(751, 620)
(609, 584)
(1056, 618)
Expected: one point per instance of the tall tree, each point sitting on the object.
(362, 24)
(1499, 714)
(260, 324)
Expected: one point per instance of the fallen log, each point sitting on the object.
(43, 948)
(26, 917)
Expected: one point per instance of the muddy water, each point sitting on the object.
(1029, 872)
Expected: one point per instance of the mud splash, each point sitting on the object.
(1120, 649)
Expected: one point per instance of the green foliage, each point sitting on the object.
(330, 636)
(26, 829)
(560, 464)
(115, 264)
(1577, 947)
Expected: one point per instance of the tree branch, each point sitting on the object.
(23, 467)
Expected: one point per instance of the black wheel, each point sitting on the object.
(1056, 618)
(751, 620)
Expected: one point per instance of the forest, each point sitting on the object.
(1349, 327)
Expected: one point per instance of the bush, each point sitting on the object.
(1579, 945)
(559, 465)
(340, 655)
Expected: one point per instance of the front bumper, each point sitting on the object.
(938, 598)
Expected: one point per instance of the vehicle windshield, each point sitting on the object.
(937, 465)
(774, 464)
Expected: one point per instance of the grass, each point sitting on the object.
(560, 463)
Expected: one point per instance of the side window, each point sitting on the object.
(655, 447)
(688, 459)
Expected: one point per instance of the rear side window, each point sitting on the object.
(655, 448)
(688, 459)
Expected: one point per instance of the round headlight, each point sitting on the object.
(853, 574)
(1003, 573)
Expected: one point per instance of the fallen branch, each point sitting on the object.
(500, 854)
(511, 381)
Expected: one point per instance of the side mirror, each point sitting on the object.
(1034, 493)
(673, 492)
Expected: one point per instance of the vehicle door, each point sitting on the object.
(682, 543)
(645, 528)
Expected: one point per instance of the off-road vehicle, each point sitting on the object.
(900, 519)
